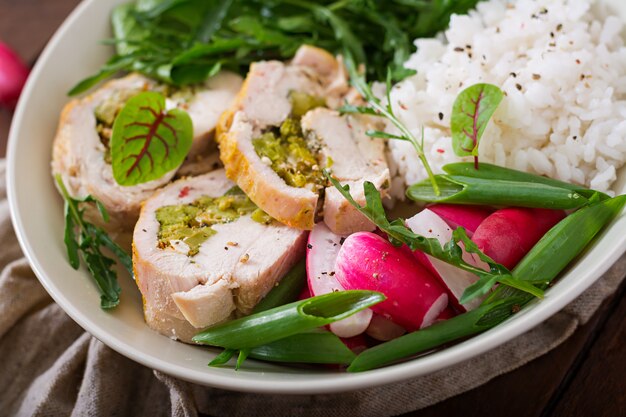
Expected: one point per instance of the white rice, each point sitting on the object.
(563, 71)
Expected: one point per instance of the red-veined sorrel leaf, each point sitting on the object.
(471, 112)
(147, 140)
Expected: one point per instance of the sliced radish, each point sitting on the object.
(369, 262)
(468, 217)
(446, 314)
(356, 344)
(305, 293)
(322, 250)
(429, 224)
(383, 329)
(508, 234)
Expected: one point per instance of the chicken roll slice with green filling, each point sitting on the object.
(276, 152)
(204, 253)
(81, 150)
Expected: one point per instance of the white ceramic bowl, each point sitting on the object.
(73, 53)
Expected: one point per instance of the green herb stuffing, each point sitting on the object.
(191, 223)
(187, 41)
(287, 151)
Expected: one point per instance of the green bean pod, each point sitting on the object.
(456, 189)
(464, 325)
(313, 347)
(495, 172)
(279, 322)
(285, 291)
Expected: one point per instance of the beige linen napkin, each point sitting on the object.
(51, 367)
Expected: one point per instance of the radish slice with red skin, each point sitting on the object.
(322, 250)
(367, 261)
(429, 224)
(383, 329)
(467, 217)
(508, 234)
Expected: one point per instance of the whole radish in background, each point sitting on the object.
(13, 75)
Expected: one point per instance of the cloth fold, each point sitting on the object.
(51, 367)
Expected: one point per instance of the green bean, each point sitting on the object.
(274, 324)
(494, 172)
(313, 347)
(464, 325)
(467, 190)
(286, 290)
(223, 357)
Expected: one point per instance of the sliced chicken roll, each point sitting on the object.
(203, 253)
(353, 158)
(81, 148)
(277, 160)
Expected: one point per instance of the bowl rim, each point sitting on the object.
(465, 350)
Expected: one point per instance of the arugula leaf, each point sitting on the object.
(450, 253)
(471, 112)
(83, 238)
(377, 108)
(147, 140)
(154, 33)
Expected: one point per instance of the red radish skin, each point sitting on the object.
(446, 314)
(429, 224)
(13, 74)
(356, 344)
(304, 294)
(508, 234)
(468, 217)
(367, 261)
(322, 250)
(383, 329)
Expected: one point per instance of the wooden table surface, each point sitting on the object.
(585, 376)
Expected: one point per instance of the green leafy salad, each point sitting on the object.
(394, 289)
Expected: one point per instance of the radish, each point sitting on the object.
(322, 250)
(429, 224)
(468, 217)
(356, 344)
(13, 74)
(369, 262)
(508, 234)
(383, 329)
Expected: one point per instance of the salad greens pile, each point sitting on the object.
(186, 41)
